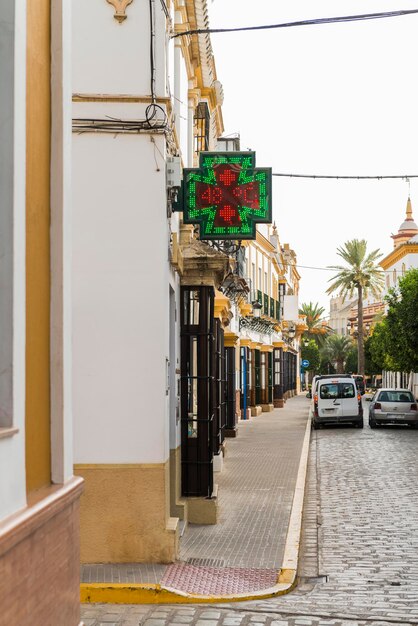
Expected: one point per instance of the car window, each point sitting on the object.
(329, 391)
(332, 391)
(347, 390)
(396, 396)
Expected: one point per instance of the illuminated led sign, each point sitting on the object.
(227, 195)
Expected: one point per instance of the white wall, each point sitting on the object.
(12, 249)
(121, 299)
(409, 260)
(291, 308)
(112, 57)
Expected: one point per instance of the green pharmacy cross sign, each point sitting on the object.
(227, 195)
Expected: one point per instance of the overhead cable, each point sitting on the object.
(401, 176)
(313, 22)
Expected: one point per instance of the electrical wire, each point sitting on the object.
(313, 22)
(288, 266)
(152, 48)
(401, 176)
(165, 9)
(112, 124)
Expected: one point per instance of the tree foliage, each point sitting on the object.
(317, 330)
(351, 363)
(362, 275)
(311, 353)
(378, 349)
(336, 350)
(401, 337)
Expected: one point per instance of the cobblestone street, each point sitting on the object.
(359, 543)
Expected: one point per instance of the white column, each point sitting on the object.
(61, 405)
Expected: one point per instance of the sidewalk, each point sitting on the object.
(252, 551)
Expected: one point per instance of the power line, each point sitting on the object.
(325, 269)
(321, 20)
(400, 176)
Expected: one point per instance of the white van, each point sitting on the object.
(336, 400)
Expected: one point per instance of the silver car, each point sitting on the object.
(393, 406)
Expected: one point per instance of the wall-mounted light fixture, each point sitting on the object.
(257, 306)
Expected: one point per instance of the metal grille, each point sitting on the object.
(197, 341)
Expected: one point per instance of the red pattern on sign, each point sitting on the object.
(227, 195)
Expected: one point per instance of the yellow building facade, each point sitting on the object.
(39, 523)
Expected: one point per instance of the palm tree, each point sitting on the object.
(362, 274)
(317, 330)
(336, 350)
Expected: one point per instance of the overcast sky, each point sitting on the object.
(332, 99)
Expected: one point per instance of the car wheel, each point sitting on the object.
(315, 425)
(372, 424)
(359, 424)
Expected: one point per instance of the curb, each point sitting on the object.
(143, 593)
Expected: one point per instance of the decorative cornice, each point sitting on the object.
(397, 254)
(265, 243)
(230, 339)
(107, 97)
(202, 264)
(120, 8)
(245, 309)
(222, 308)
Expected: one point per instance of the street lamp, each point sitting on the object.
(291, 332)
(257, 308)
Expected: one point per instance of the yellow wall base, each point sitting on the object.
(202, 510)
(256, 410)
(267, 408)
(125, 515)
(178, 505)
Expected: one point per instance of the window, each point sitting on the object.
(394, 276)
(403, 269)
(396, 396)
(328, 392)
(197, 386)
(202, 124)
(332, 391)
(266, 284)
(347, 391)
(260, 286)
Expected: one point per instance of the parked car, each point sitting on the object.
(336, 400)
(393, 406)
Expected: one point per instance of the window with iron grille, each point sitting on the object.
(245, 380)
(278, 311)
(220, 388)
(263, 378)
(270, 377)
(197, 390)
(257, 377)
(202, 125)
(266, 304)
(277, 374)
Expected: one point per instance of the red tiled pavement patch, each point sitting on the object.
(216, 580)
